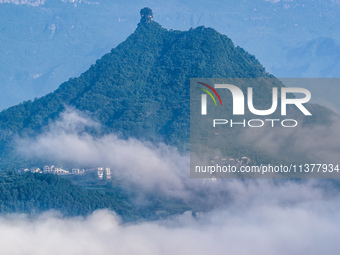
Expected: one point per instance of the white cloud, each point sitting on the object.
(25, 2)
(144, 164)
(289, 218)
(272, 1)
(160, 168)
(256, 216)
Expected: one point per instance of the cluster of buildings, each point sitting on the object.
(243, 161)
(103, 173)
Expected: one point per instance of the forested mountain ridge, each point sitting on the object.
(140, 88)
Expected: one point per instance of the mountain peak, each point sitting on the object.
(146, 15)
(140, 89)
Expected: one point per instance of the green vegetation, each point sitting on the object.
(35, 193)
(140, 89)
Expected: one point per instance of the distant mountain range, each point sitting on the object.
(35, 3)
(44, 43)
(316, 58)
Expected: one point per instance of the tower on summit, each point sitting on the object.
(146, 15)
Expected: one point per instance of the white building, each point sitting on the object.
(35, 170)
(108, 173)
(77, 171)
(245, 160)
(23, 170)
(104, 173)
(100, 172)
(59, 170)
(48, 169)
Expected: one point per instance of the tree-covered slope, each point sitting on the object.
(140, 88)
(34, 193)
